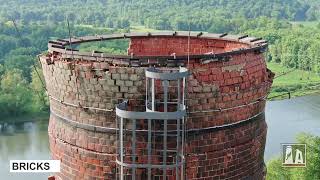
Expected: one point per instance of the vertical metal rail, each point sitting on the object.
(178, 148)
(147, 94)
(133, 148)
(183, 90)
(182, 148)
(179, 96)
(178, 128)
(165, 128)
(149, 148)
(165, 95)
(183, 127)
(153, 94)
(121, 148)
(117, 148)
(150, 127)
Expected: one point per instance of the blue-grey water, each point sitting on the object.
(285, 119)
(23, 141)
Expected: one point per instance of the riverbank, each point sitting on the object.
(297, 82)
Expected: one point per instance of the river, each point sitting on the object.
(285, 119)
(23, 141)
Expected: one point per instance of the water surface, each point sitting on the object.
(287, 118)
(23, 141)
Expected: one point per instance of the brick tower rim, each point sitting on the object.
(59, 46)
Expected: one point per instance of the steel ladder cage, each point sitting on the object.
(151, 114)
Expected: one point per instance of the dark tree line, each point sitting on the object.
(158, 14)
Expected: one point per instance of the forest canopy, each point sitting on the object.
(158, 14)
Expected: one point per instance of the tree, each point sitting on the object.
(15, 94)
(39, 97)
(312, 170)
(7, 43)
(21, 62)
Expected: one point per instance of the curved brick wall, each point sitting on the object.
(226, 127)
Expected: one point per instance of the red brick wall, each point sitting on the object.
(232, 152)
(179, 45)
(89, 158)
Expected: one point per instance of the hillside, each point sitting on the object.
(158, 14)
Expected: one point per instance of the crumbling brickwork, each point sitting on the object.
(226, 128)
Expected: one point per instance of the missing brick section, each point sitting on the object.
(140, 116)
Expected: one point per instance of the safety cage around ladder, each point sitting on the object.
(150, 144)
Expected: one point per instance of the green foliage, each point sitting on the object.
(112, 47)
(15, 94)
(312, 171)
(162, 14)
(23, 62)
(313, 155)
(275, 170)
(293, 47)
(7, 43)
(298, 82)
(21, 90)
(39, 97)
